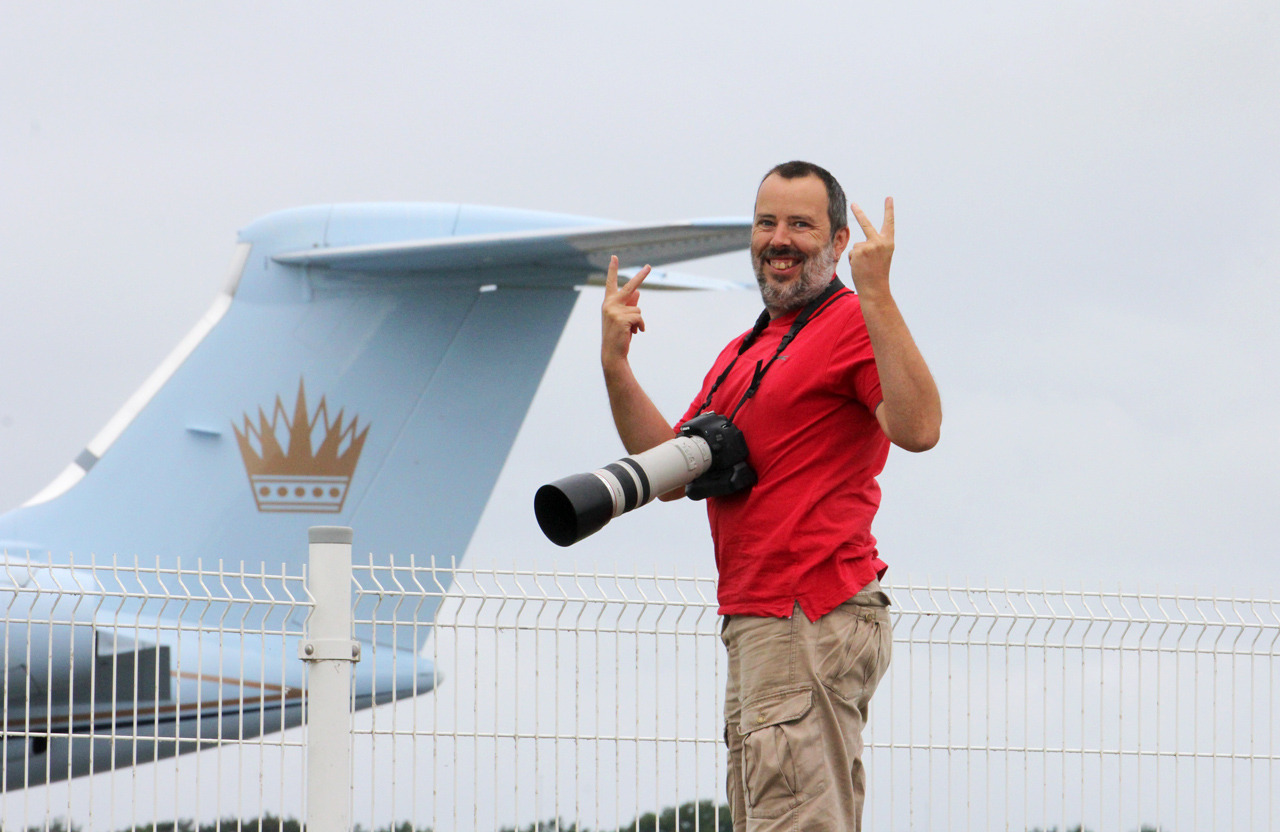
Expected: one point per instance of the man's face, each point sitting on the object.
(792, 248)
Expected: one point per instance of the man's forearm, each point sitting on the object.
(639, 422)
(912, 409)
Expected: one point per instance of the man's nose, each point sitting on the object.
(781, 237)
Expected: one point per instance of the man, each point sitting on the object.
(806, 622)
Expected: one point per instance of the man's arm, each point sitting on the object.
(911, 413)
(640, 425)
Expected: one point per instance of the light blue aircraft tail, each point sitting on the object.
(367, 365)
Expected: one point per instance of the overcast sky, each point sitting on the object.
(1087, 193)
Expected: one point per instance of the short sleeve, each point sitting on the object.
(726, 355)
(855, 362)
(693, 408)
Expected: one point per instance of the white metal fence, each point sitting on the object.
(110, 664)
(595, 699)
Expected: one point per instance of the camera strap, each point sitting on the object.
(811, 309)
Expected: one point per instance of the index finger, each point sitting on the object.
(887, 230)
(633, 285)
(867, 228)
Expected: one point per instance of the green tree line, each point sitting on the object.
(702, 816)
(672, 819)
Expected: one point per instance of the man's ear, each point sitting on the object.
(841, 241)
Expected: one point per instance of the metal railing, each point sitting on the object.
(594, 699)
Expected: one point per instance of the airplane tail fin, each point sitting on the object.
(367, 365)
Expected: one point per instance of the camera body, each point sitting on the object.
(729, 472)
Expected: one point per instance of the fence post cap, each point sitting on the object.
(330, 534)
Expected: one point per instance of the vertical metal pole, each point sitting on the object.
(329, 651)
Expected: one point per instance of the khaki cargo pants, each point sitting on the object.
(795, 704)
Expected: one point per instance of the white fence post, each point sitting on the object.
(329, 651)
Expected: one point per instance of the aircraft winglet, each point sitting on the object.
(582, 248)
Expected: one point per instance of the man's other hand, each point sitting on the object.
(869, 260)
(620, 314)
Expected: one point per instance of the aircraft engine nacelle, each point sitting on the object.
(61, 662)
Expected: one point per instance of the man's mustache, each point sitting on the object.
(781, 251)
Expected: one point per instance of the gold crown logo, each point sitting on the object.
(300, 478)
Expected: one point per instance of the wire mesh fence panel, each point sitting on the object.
(491, 699)
(588, 700)
(582, 700)
(114, 669)
(1040, 709)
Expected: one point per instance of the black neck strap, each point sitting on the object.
(811, 309)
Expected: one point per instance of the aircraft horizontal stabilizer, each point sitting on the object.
(584, 248)
(665, 279)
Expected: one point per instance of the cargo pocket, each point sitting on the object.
(777, 743)
(860, 641)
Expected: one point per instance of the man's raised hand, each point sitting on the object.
(620, 314)
(869, 260)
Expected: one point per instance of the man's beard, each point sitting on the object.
(814, 276)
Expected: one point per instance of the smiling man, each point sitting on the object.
(794, 254)
(820, 386)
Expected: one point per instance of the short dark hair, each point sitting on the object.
(837, 204)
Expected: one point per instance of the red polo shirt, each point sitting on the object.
(803, 533)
